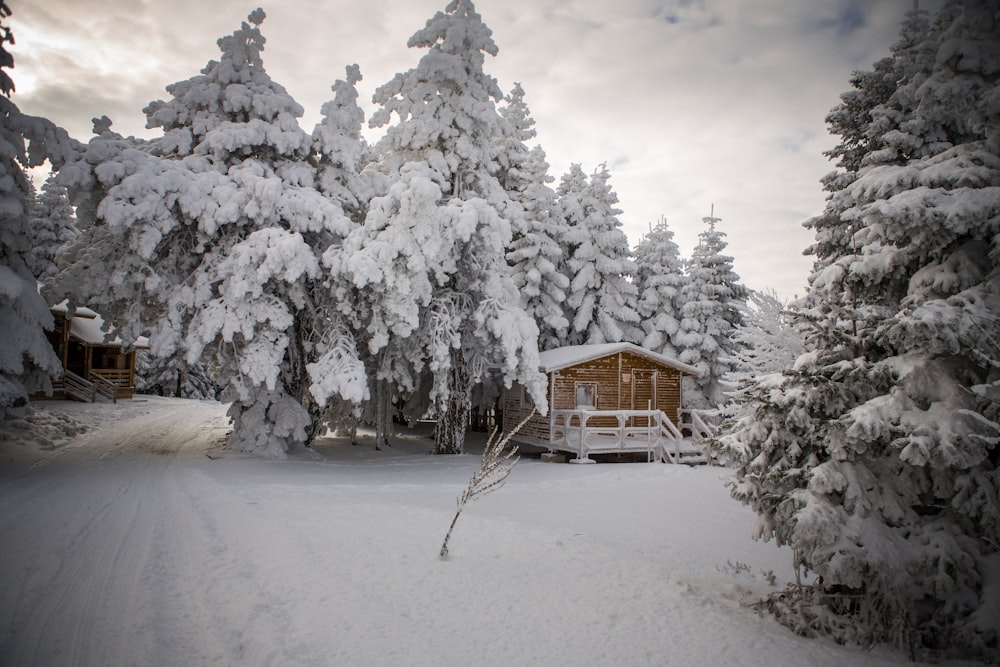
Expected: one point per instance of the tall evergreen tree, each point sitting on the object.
(876, 124)
(52, 224)
(341, 372)
(27, 360)
(430, 257)
(222, 229)
(534, 252)
(768, 340)
(601, 302)
(342, 152)
(659, 278)
(876, 457)
(710, 312)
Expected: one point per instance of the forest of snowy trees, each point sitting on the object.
(317, 281)
(314, 280)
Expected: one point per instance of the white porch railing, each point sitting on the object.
(586, 432)
(701, 424)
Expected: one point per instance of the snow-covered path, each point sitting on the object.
(100, 539)
(129, 545)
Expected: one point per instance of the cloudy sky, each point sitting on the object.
(691, 103)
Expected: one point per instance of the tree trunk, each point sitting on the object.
(383, 413)
(453, 412)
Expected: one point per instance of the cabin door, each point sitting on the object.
(643, 390)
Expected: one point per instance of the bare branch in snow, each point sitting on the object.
(494, 468)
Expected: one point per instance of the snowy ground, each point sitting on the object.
(139, 540)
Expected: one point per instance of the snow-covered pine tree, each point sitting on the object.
(767, 340)
(601, 301)
(877, 457)
(342, 152)
(875, 123)
(52, 224)
(430, 257)
(27, 359)
(710, 302)
(209, 238)
(173, 376)
(534, 252)
(345, 175)
(659, 279)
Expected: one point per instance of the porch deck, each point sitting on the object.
(587, 432)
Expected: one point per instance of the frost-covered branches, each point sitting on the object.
(534, 253)
(495, 467)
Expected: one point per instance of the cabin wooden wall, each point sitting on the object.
(619, 387)
(514, 412)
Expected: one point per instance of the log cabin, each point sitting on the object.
(94, 360)
(604, 399)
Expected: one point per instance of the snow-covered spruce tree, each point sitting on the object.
(710, 302)
(173, 376)
(767, 340)
(52, 223)
(344, 159)
(876, 124)
(343, 154)
(876, 457)
(534, 252)
(209, 239)
(601, 301)
(659, 279)
(27, 359)
(430, 257)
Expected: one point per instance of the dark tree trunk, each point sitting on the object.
(454, 412)
(383, 413)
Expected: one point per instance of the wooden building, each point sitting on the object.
(614, 397)
(93, 359)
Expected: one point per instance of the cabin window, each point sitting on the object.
(586, 395)
(525, 398)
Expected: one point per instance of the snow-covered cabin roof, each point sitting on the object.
(63, 309)
(571, 355)
(88, 327)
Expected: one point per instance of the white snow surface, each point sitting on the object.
(132, 536)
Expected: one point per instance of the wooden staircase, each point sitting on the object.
(81, 389)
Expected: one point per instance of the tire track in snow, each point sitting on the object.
(83, 536)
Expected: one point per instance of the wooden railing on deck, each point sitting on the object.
(104, 386)
(608, 431)
(700, 423)
(78, 387)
